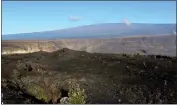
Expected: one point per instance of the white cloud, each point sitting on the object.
(74, 18)
(127, 22)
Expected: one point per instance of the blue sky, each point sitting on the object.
(34, 16)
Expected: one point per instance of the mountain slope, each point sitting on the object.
(98, 31)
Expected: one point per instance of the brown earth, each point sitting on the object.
(106, 78)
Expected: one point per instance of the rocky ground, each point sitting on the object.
(43, 77)
(150, 45)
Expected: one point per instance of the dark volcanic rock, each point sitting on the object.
(106, 78)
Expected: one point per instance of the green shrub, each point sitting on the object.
(76, 94)
(38, 92)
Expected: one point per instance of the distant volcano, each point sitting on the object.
(98, 31)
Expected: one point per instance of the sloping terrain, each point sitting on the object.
(103, 30)
(106, 78)
(151, 45)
